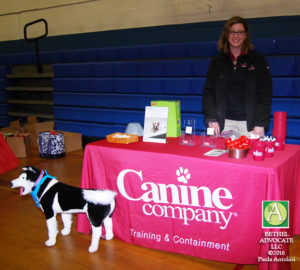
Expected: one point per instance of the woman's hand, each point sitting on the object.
(259, 131)
(215, 126)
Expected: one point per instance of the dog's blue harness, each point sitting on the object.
(41, 179)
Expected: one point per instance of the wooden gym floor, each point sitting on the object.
(23, 233)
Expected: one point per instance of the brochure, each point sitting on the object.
(215, 153)
(155, 125)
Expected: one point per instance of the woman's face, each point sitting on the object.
(236, 36)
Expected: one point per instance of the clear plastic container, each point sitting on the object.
(208, 138)
(188, 134)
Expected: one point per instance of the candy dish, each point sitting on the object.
(237, 153)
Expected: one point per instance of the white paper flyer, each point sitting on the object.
(215, 153)
(155, 125)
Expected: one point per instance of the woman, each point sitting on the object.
(238, 91)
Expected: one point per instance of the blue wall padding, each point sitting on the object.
(124, 101)
(2, 84)
(98, 91)
(99, 115)
(90, 129)
(185, 85)
(4, 70)
(289, 105)
(283, 65)
(286, 86)
(153, 68)
(4, 121)
(2, 96)
(268, 46)
(3, 109)
(279, 66)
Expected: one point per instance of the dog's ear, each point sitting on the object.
(30, 168)
(34, 169)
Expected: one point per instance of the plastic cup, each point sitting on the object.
(251, 142)
(258, 150)
(279, 124)
(279, 144)
(270, 148)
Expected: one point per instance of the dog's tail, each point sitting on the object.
(103, 197)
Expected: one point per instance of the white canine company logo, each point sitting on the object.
(182, 201)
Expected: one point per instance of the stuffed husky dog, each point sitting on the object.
(54, 197)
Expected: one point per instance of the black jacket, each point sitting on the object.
(258, 90)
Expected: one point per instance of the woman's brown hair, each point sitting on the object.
(223, 44)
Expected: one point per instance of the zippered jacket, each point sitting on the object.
(258, 90)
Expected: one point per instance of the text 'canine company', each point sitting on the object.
(180, 201)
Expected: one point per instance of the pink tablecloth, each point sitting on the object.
(173, 198)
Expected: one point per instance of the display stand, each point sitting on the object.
(208, 139)
(188, 133)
